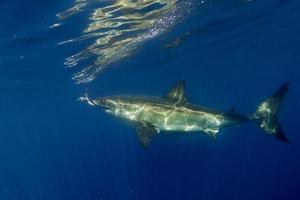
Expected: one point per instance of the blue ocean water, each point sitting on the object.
(231, 54)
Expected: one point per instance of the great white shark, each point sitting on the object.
(173, 113)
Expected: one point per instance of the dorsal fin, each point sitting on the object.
(177, 93)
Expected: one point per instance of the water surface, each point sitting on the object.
(232, 54)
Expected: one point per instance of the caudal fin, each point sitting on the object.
(267, 112)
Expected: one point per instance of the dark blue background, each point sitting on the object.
(53, 147)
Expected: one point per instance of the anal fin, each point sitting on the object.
(211, 132)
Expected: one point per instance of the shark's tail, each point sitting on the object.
(266, 114)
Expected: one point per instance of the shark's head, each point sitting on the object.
(120, 106)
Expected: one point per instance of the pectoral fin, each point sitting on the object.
(145, 131)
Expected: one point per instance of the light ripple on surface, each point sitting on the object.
(118, 28)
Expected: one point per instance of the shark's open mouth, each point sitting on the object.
(117, 28)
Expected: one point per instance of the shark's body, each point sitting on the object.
(173, 113)
(166, 115)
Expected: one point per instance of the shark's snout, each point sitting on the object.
(100, 102)
(93, 102)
